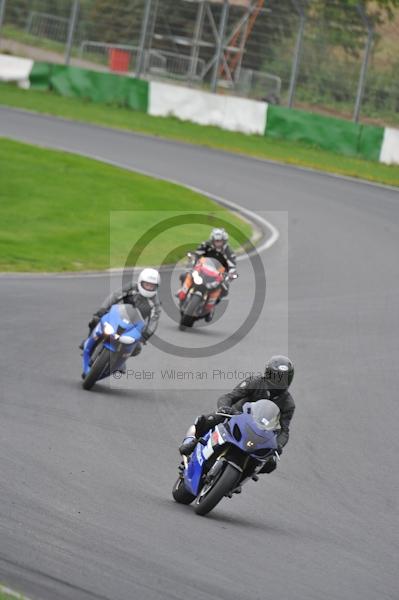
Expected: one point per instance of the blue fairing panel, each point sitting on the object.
(194, 471)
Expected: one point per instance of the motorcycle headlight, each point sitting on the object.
(197, 278)
(108, 329)
(127, 339)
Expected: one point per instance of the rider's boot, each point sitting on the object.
(237, 490)
(82, 343)
(136, 350)
(181, 294)
(186, 281)
(122, 369)
(209, 316)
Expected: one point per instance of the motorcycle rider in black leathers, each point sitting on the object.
(143, 296)
(273, 385)
(216, 247)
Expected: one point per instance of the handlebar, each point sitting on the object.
(230, 276)
(227, 275)
(222, 414)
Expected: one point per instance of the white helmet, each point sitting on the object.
(148, 282)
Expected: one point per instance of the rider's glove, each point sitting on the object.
(269, 466)
(202, 424)
(279, 449)
(232, 273)
(228, 410)
(94, 321)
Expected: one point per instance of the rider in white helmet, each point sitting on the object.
(144, 296)
(148, 282)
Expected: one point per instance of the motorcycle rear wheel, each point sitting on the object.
(224, 484)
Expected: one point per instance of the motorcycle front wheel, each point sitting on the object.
(189, 315)
(180, 494)
(212, 493)
(100, 364)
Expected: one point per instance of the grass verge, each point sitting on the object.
(261, 147)
(62, 212)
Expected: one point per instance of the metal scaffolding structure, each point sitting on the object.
(229, 46)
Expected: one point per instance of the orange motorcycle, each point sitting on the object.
(202, 290)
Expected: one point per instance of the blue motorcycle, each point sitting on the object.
(110, 343)
(231, 453)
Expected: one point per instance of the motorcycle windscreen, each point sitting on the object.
(248, 436)
(212, 264)
(126, 315)
(265, 413)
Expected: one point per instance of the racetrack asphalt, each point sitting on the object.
(86, 509)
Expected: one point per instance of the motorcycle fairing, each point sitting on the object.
(253, 440)
(125, 320)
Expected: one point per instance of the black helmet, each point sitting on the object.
(279, 372)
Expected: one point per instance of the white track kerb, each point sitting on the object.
(12, 593)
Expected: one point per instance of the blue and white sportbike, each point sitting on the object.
(110, 343)
(233, 452)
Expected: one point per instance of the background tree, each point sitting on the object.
(114, 21)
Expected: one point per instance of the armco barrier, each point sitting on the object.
(390, 146)
(337, 135)
(93, 85)
(226, 112)
(15, 69)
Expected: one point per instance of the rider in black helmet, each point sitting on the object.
(217, 247)
(273, 385)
